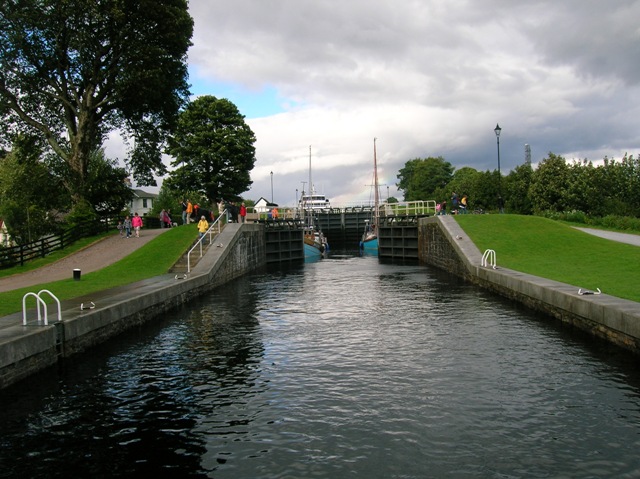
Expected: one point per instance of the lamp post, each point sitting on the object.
(497, 129)
(272, 187)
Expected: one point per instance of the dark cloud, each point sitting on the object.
(429, 78)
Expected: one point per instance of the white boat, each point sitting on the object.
(313, 201)
(369, 242)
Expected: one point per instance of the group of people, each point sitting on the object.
(125, 227)
(235, 213)
(190, 212)
(458, 205)
(165, 219)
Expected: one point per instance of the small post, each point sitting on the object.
(76, 274)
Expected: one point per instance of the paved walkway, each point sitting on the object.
(610, 235)
(92, 258)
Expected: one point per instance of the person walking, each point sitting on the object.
(203, 226)
(243, 212)
(165, 219)
(189, 211)
(126, 224)
(463, 204)
(454, 203)
(184, 211)
(137, 224)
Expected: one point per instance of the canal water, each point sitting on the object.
(346, 367)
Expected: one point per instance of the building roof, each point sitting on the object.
(266, 203)
(138, 193)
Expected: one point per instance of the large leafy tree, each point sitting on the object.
(213, 150)
(71, 71)
(550, 185)
(422, 179)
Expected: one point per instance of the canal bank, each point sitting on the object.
(443, 244)
(87, 321)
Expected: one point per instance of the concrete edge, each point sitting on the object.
(609, 317)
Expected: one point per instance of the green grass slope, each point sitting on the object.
(153, 259)
(556, 251)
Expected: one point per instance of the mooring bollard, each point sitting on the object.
(76, 274)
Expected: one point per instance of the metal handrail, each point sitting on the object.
(40, 302)
(489, 255)
(216, 223)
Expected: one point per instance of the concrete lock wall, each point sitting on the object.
(237, 250)
(442, 243)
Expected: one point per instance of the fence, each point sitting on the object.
(19, 255)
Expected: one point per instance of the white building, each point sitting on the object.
(263, 206)
(142, 202)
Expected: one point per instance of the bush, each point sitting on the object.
(81, 213)
(614, 222)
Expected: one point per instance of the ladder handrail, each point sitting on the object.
(39, 301)
(489, 255)
(56, 299)
(217, 223)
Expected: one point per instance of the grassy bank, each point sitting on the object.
(153, 259)
(556, 251)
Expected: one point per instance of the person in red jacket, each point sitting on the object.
(243, 212)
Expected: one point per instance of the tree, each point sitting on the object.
(71, 72)
(516, 190)
(106, 188)
(420, 179)
(167, 200)
(213, 150)
(29, 198)
(549, 185)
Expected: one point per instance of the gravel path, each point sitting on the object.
(92, 258)
(610, 235)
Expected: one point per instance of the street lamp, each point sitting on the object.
(497, 129)
(272, 187)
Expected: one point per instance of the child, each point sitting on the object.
(121, 229)
(127, 226)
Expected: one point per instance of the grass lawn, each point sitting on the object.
(153, 259)
(557, 251)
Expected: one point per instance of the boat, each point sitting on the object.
(369, 241)
(313, 201)
(315, 243)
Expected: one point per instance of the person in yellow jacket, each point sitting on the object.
(203, 226)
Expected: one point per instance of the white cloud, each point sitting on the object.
(427, 77)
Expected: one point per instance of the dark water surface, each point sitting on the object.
(342, 368)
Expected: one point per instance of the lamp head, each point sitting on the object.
(497, 129)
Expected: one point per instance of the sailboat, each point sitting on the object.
(315, 243)
(369, 242)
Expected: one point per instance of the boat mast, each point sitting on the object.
(309, 193)
(375, 181)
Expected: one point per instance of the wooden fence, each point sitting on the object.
(19, 255)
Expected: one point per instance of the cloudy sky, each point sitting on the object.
(424, 77)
